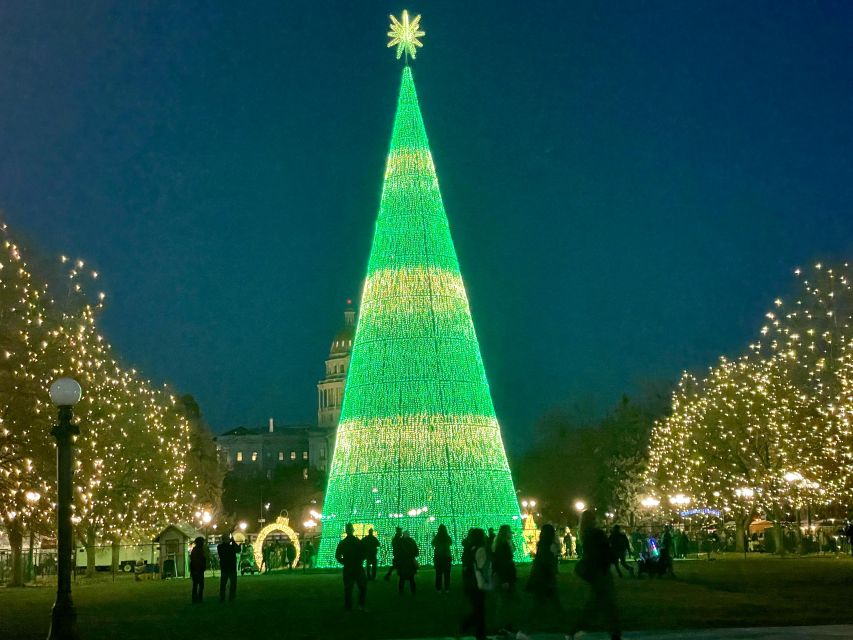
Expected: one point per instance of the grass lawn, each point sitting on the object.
(732, 591)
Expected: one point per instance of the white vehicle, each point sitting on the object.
(129, 554)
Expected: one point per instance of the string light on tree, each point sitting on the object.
(770, 430)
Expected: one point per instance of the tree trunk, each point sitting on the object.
(90, 552)
(778, 534)
(115, 544)
(16, 541)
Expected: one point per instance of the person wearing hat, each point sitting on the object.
(198, 565)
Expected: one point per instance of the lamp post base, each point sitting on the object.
(63, 622)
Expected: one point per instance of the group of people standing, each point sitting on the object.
(488, 566)
(228, 550)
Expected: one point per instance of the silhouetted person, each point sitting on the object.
(848, 533)
(407, 562)
(542, 582)
(371, 553)
(228, 551)
(684, 544)
(395, 544)
(568, 542)
(476, 574)
(639, 544)
(290, 554)
(307, 557)
(667, 551)
(351, 555)
(198, 565)
(594, 568)
(490, 542)
(442, 558)
(504, 575)
(266, 555)
(619, 547)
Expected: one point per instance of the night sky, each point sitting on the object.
(629, 185)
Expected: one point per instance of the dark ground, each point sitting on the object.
(727, 592)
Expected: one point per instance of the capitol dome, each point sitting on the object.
(342, 342)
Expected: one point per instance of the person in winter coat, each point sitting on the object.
(307, 557)
(505, 577)
(228, 550)
(442, 557)
(476, 574)
(619, 547)
(542, 582)
(371, 553)
(350, 554)
(198, 565)
(594, 569)
(407, 562)
(395, 545)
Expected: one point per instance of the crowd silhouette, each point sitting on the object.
(488, 567)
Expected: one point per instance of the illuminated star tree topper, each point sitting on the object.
(404, 35)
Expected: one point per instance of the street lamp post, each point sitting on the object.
(32, 497)
(64, 393)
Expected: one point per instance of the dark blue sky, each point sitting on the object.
(628, 184)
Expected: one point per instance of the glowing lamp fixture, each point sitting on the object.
(65, 392)
(650, 502)
(580, 505)
(679, 500)
(744, 492)
(206, 517)
(793, 476)
(309, 524)
(243, 526)
(32, 496)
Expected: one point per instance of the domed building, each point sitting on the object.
(330, 390)
(309, 446)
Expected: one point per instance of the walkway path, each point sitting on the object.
(823, 632)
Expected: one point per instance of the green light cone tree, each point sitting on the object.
(418, 443)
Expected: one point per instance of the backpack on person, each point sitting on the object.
(484, 574)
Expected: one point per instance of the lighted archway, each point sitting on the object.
(282, 525)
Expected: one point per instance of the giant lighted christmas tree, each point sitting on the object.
(418, 443)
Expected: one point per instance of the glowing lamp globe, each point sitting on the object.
(65, 392)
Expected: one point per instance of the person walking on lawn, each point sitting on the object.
(476, 581)
(228, 551)
(371, 553)
(504, 577)
(619, 547)
(198, 565)
(542, 582)
(594, 569)
(350, 553)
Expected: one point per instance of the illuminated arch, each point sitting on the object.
(282, 525)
